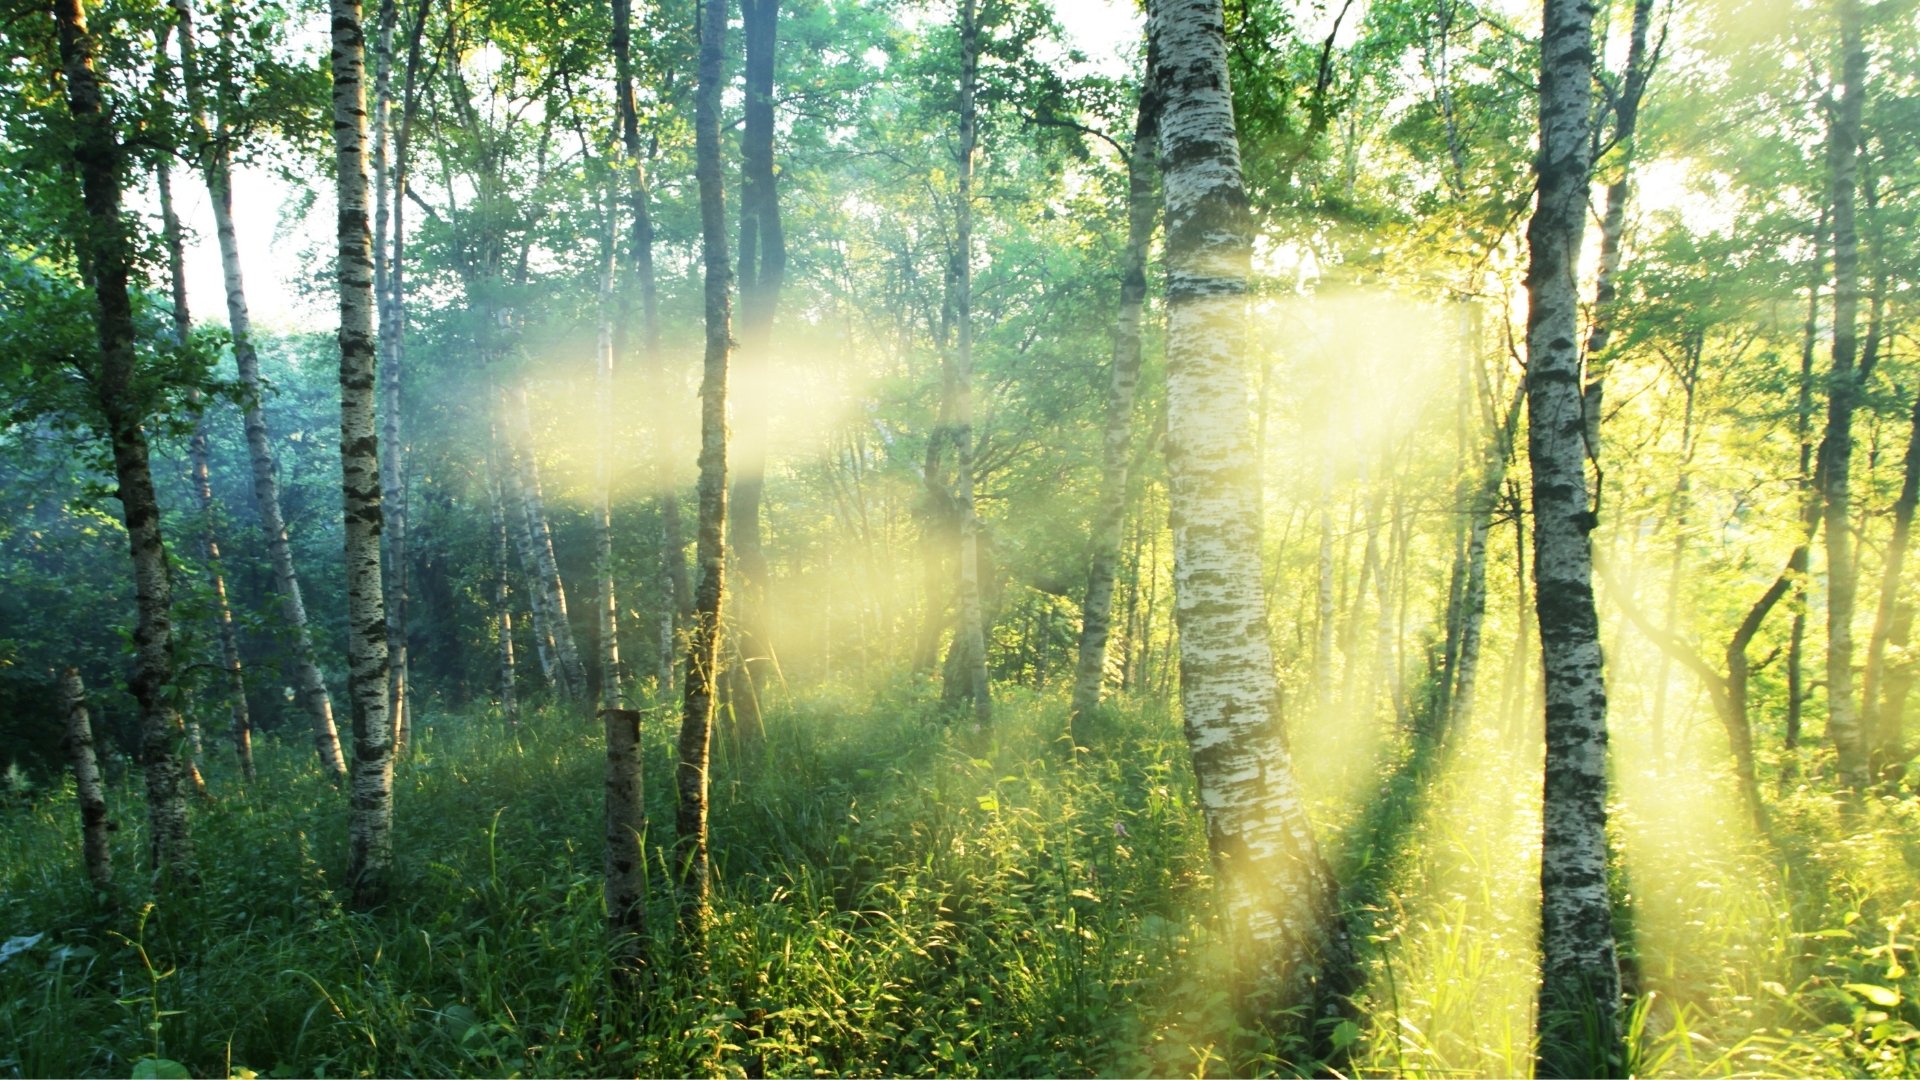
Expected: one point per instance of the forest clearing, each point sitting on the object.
(960, 538)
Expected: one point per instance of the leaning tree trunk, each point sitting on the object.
(546, 565)
(217, 171)
(175, 241)
(90, 793)
(99, 160)
(696, 720)
(973, 629)
(1096, 618)
(1578, 1014)
(1280, 899)
(370, 837)
(676, 594)
(1836, 446)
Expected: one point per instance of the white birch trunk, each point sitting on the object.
(217, 172)
(1280, 901)
(370, 835)
(1579, 999)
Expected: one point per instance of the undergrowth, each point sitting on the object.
(895, 895)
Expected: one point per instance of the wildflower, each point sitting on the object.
(1120, 829)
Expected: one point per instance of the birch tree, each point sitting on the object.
(217, 172)
(370, 836)
(696, 719)
(99, 159)
(1579, 995)
(1280, 901)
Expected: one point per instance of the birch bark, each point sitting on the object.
(1280, 901)
(370, 832)
(216, 169)
(100, 162)
(1579, 995)
(92, 795)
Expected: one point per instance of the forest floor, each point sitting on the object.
(900, 896)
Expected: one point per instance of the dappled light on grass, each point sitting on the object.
(1451, 967)
(1706, 925)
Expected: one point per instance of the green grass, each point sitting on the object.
(897, 896)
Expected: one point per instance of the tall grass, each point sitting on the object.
(898, 896)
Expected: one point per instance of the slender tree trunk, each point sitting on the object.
(1579, 1002)
(1613, 222)
(677, 595)
(387, 180)
(1117, 447)
(100, 162)
(370, 836)
(175, 241)
(1886, 684)
(546, 565)
(696, 722)
(1499, 451)
(92, 795)
(763, 260)
(502, 606)
(217, 170)
(1836, 446)
(1280, 901)
(606, 608)
(1810, 495)
(973, 627)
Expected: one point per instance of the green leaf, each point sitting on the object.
(987, 803)
(160, 1069)
(1884, 996)
(1345, 1034)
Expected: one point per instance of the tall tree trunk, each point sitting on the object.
(370, 835)
(389, 173)
(606, 609)
(1809, 491)
(1613, 221)
(763, 261)
(572, 671)
(677, 595)
(625, 871)
(502, 605)
(973, 629)
(89, 792)
(176, 245)
(1493, 474)
(1836, 446)
(696, 721)
(216, 168)
(1117, 447)
(1579, 1001)
(1886, 684)
(1280, 900)
(98, 157)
